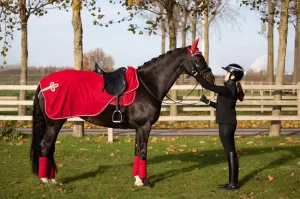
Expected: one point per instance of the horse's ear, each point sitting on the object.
(97, 69)
(195, 44)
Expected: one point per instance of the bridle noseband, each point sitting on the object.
(192, 55)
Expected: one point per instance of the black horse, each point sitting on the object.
(156, 77)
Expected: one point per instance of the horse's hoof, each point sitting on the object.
(53, 181)
(139, 183)
(44, 180)
(147, 184)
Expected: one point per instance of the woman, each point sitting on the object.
(226, 116)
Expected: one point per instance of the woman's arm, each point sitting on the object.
(213, 104)
(222, 90)
(204, 99)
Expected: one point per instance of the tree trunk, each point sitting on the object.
(275, 129)
(183, 39)
(296, 73)
(194, 35)
(24, 55)
(163, 32)
(163, 38)
(172, 46)
(205, 32)
(270, 70)
(194, 27)
(78, 129)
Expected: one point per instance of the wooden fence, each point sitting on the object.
(258, 99)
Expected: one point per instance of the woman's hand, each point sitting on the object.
(204, 99)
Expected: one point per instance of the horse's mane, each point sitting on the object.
(147, 65)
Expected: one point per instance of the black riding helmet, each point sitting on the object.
(236, 70)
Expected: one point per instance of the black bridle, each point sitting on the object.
(194, 73)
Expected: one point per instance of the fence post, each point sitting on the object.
(270, 83)
(78, 129)
(261, 94)
(251, 87)
(110, 135)
(298, 97)
(212, 110)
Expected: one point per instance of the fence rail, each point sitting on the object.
(252, 103)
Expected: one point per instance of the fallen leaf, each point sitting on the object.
(60, 165)
(84, 149)
(271, 178)
(202, 142)
(112, 154)
(58, 142)
(20, 137)
(249, 142)
(183, 145)
(298, 163)
(289, 139)
(180, 150)
(194, 150)
(292, 174)
(171, 148)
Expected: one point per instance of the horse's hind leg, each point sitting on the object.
(47, 148)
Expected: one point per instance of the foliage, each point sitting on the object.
(10, 10)
(10, 133)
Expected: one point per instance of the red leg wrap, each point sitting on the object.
(42, 167)
(50, 170)
(135, 167)
(143, 169)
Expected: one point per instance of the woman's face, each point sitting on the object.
(227, 74)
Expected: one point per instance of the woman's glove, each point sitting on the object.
(204, 99)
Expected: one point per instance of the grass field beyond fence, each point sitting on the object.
(185, 167)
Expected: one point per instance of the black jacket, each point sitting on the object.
(226, 100)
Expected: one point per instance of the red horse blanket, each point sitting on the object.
(72, 93)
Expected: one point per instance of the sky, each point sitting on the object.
(50, 41)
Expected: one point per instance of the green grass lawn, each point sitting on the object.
(185, 167)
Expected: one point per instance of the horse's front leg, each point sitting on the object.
(139, 169)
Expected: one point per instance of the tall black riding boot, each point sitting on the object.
(229, 168)
(234, 174)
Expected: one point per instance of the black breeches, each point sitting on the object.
(226, 133)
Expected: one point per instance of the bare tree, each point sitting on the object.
(283, 30)
(271, 21)
(78, 129)
(106, 62)
(296, 13)
(214, 11)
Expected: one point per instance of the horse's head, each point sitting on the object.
(195, 63)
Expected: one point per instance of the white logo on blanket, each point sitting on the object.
(51, 87)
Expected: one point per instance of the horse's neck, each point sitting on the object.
(163, 74)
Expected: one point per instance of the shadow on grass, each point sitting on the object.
(85, 175)
(210, 159)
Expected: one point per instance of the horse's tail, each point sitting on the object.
(38, 132)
